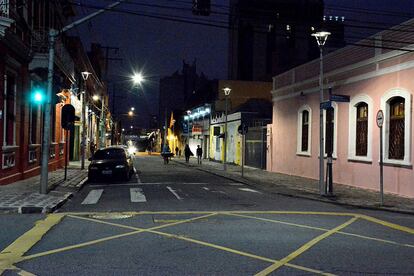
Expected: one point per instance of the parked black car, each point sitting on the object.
(114, 162)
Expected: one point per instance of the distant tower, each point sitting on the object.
(268, 37)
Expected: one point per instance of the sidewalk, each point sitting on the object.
(304, 187)
(23, 196)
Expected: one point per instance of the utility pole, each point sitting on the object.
(53, 34)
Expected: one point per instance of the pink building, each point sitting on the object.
(376, 75)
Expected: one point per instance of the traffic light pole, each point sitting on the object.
(47, 120)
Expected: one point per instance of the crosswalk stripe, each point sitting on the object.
(249, 190)
(137, 195)
(93, 197)
(174, 193)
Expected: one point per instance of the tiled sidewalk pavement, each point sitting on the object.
(23, 196)
(304, 187)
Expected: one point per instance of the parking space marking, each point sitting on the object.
(304, 248)
(174, 193)
(323, 229)
(92, 197)
(14, 252)
(137, 195)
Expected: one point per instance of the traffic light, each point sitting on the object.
(38, 95)
(201, 7)
(67, 116)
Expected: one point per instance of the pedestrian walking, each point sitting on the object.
(199, 154)
(166, 153)
(187, 153)
(176, 151)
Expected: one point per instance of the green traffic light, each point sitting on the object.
(38, 96)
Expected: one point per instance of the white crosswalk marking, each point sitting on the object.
(93, 197)
(137, 195)
(174, 193)
(249, 190)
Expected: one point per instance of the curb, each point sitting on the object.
(45, 209)
(257, 185)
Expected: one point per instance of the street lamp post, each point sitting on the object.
(227, 91)
(321, 38)
(85, 76)
(53, 34)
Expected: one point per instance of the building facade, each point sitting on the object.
(376, 77)
(23, 73)
(268, 37)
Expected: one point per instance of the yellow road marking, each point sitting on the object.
(12, 253)
(323, 229)
(209, 212)
(139, 230)
(304, 248)
(153, 230)
(388, 224)
(234, 251)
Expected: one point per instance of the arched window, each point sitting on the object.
(334, 124)
(361, 137)
(304, 131)
(396, 128)
(360, 128)
(396, 105)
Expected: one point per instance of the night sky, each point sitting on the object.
(157, 47)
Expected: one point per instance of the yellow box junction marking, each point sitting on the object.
(322, 229)
(138, 230)
(227, 249)
(21, 245)
(15, 251)
(304, 248)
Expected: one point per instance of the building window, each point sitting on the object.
(34, 112)
(396, 129)
(360, 128)
(9, 124)
(334, 123)
(361, 137)
(304, 131)
(396, 105)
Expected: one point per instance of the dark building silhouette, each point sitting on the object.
(268, 37)
(184, 90)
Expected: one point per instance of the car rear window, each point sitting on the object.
(109, 154)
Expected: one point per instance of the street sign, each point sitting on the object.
(339, 98)
(326, 105)
(380, 118)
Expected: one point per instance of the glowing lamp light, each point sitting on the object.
(186, 118)
(38, 96)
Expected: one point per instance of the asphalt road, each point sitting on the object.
(176, 220)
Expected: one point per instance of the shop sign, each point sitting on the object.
(197, 130)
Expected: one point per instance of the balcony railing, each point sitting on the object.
(4, 8)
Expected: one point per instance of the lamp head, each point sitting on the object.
(227, 91)
(321, 37)
(137, 78)
(95, 97)
(85, 75)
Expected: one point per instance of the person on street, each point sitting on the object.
(199, 154)
(176, 151)
(187, 153)
(166, 153)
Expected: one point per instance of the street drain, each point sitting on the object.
(111, 216)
